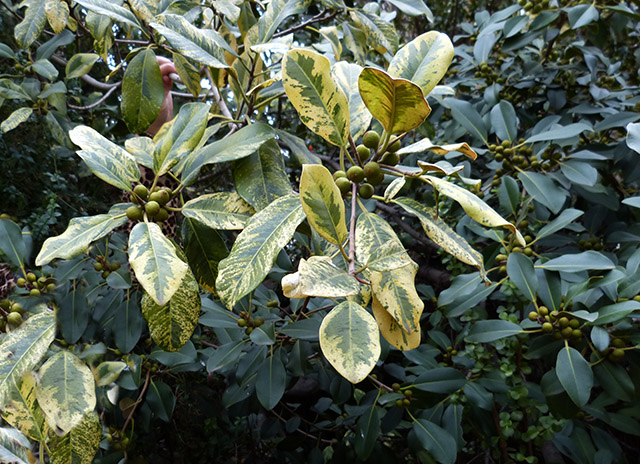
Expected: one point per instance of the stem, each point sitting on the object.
(352, 230)
(142, 392)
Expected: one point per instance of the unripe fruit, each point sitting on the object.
(272, 304)
(399, 403)
(408, 393)
(339, 174)
(371, 139)
(567, 332)
(618, 343)
(366, 191)
(34, 292)
(547, 327)
(242, 323)
(395, 146)
(31, 277)
(363, 152)
(97, 266)
(5, 304)
(155, 196)
(577, 333)
(371, 169)
(134, 199)
(406, 401)
(248, 330)
(395, 387)
(21, 282)
(563, 322)
(51, 287)
(42, 280)
(343, 184)
(134, 213)
(574, 323)
(162, 215)
(14, 319)
(115, 266)
(616, 355)
(258, 322)
(533, 316)
(543, 310)
(376, 179)
(141, 191)
(17, 308)
(105, 274)
(390, 159)
(152, 208)
(355, 174)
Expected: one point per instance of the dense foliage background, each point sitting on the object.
(538, 365)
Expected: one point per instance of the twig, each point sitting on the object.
(87, 78)
(352, 230)
(133, 409)
(93, 105)
(218, 99)
(317, 18)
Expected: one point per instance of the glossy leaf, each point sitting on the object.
(633, 136)
(489, 331)
(504, 121)
(172, 324)
(443, 380)
(141, 148)
(66, 391)
(381, 35)
(80, 64)
(271, 381)
(566, 217)
(398, 104)
(426, 145)
(21, 410)
(392, 331)
(350, 341)
(15, 447)
(142, 91)
(377, 244)
(585, 261)
(521, 273)
(35, 20)
(11, 242)
(155, 262)
(436, 440)
(277, 11)
(319, 100)
(346, 75)
(367, 432)
(560, 133)
(223, 210)
(161, 400)
(15, 119)
(204, 249)
(582, 15)
(111, 10)
(106, 160)
(256, 248)
(80, 445)
(57, 13)
(465, 114)
(128, 324)
(544, 190)
(613, 313)
(580, 173)
(322, 203)
(575, 375)
(320, 278)
(73, 315)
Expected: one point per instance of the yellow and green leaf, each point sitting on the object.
(426, 145)
(424, 60)
(15, 119)
(322, 203)
(108, 372)
(477, 209)
(57, 13)
(171, 325)
(222, 210)
(381, 35)
(142, 91)
(204, 249)
(346, 75)
(155, 262)
(256, 248)
(398, 104)
(320, 277)
(80, 445)
(377, 245)
(66, 391)
(392, 331)
(141, 148)
(80, 233)
(21, 411)
(112, 10)
(350, 340)
(34, 22)
(319, 100)
(277, 11)
(106, 160)
(15, 448)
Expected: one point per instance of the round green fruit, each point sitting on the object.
(17, 308)
(616, 355)
(141, 191)
(574, 323)
(97, 266)
(390, 159)
(134, 213)
(31, 277)
(371, 169)
(14, 319)
(156, 196)
(51, 287)
(366, 191)
(339, 174)
(242, 323)
(355, 174)
(152, 208)
(371, 139)
(115, 266)
(363, 152)
(343, 184)
(21, 282)
(564, 322)
(34, 292)
(567, 332)
(533, 316)
(5, 304)
(376, 179)
(162, 215)
(547, 327)
(543, 310)
(395, 146)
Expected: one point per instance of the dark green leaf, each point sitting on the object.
(489, 331)
(575, 375)
(521, 273)
(161, 400)
(436, 440)
(440, 380)
(271, 381)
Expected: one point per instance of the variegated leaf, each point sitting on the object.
(377, 245)
(350, 340)
(396, 292)
(15, 447)
(381, 35)
(66, 391)
(182, 137)
(320, 102)
(80, 233)
(398, 104)
(238, 145)
(424, 60)
(188, 73)
(426, 145)
(171, 325)
(291, 286)
(477, 209)
(261, 178)
(144, 9)
(111, 10)
(100, 27)
(394, 188)
(442, 167)
(346, 75)
(23, 348)
(155, 262)
(80, 445)
(392, 331)
(142, 91)
(322, 203)
(320, 277)
(80, 64)
(106, 160)
(15, 119)
(438, 231)
(204, 46)
(21, 411)
(35, 19)
(141, 148)
(204, 249)
(57, 13)
(333, 37)
(108, 372)
(276, 12)
(256, 248)
(222, 210)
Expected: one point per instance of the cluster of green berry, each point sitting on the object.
(104, 266)
(502, 257)
(615, 352)
(248, 323)
(11, 314)
(511, 157)
(152, 203)
(592, 243)
(563, 326)
(36, 285)
(402, 402)
(489, 74)
(534, 8)
(448, 355)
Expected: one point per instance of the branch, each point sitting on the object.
(93, 105)
(218, 99)
(352, 230)
(317, 18)
(87, 78)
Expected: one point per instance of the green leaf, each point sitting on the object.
(106, 160)
(45, 69)
(398, 104)
(377, 244)
(580, 173)
(277, 11)
(436, 440)
(155, 262)
(319, 100)
(80, 445)
(466, 115)
(298, 148)
(633, 136)
(142, 91)
(73, 315)
(565, 218)
(581, 15)
(188, 73)
(161, 400)
(35, 19)
(424, 60)
(127, 324)
(614, 312)
(543, 190)
(520, 271)
(57, 12)
(575, 375)
(367, 432)
(238, 145)
(441, 234)
(181, 138)
(489, 331)
(80, 64)
(585, 261)
(615, 380)
(11, 242)
(346, 75)
(204, 46)
(222, 210)
(108, 372)
(445, 380)
(261, 177)
(413, 8)
(477, 209)
(12, 91)
(15, 447)
(15, 119)
(256, 248)
(172, 324)
(392, 331)
(111, 10)
(21, 410)
(560, 133)
(504, 121)
(271, 381)
(204, 249)
(350, 341)
(80, 233)
(66, 391)
(322, 203)
(425, 145)
(305, 329)
(320, 278)
(381, 35)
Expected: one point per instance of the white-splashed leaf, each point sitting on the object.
(346, 75)
(222, 210)
(426, 145)
(392, 331)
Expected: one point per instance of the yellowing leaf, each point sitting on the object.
(426, 145)
(57, 13)
(350, 341)
(22, 411)
(321, 104)
(346, 75)
(35, 19)
(377, 245)
(15, 119)
(222, 210)
(320, 277)
(80, 445)
(392, 331)
(398, 104)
